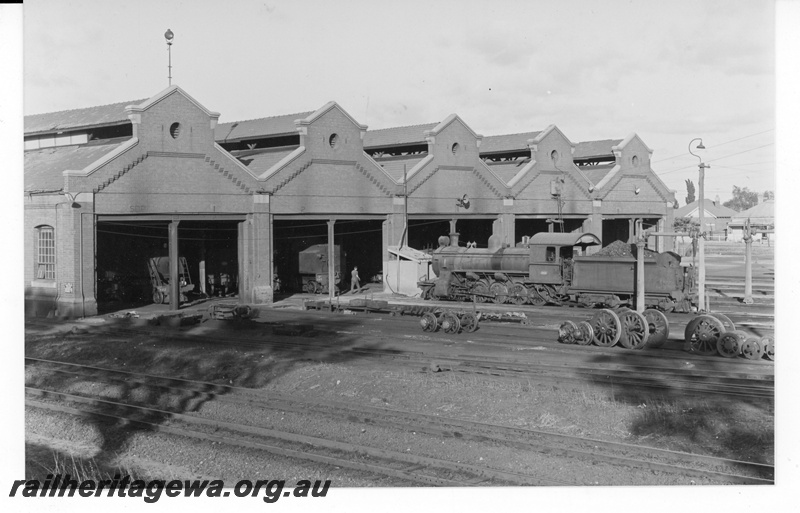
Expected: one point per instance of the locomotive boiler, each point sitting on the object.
(555, 268)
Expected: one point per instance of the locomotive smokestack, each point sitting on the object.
(454, 239)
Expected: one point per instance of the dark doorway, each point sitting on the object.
(614, 230)
(123, 249)
(423, 234)
(360, 240)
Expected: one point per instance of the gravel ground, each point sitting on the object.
(692, 425)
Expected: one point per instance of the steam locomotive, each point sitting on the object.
(555, 268)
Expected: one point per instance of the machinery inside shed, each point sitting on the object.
(360, 241)
(124, 250)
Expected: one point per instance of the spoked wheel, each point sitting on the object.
(315, 287)
(635, 330)
(566, 333)
(768, 345)
(518, 294)
(751, 349)
(481, 290)
(450, 323)
(726, 321)
(703, 338)
(469, 322)
(658, 327)
(730, 343)
(586, 333)
(500, 292)
(607, 328)
(429, 322)
(687, 333)
(535, 298)
(158, 297)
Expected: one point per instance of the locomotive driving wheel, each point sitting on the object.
(450, 323)
(607, 328)
(500, 292)
(429, 322)
(481, 291)
(726, 321)
(469, 322)
(635, 329)
(535, 297)
(518, 294)
(704, 336)
(658, 327)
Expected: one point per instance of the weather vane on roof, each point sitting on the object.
(168, 35)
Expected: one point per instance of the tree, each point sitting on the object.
(769, 195)
(742, 199)
(685, 224)
(689, 191)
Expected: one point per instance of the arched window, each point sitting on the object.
(45, 253)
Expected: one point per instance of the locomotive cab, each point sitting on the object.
(551, 256)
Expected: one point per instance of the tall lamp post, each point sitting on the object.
(701, 246)
(169, 35)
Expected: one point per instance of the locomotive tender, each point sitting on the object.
(554, 268)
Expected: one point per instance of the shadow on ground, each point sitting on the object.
(735, 427)
(242, 353)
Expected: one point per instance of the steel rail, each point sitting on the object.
(478, 475)
(457, 428)
(505, 367)
(277, 341)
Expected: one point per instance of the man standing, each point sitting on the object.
(355, 283)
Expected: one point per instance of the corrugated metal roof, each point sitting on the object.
(508, 142)
(507, 170)
(254, 128)
(564, 239)
(261, 162)
(111, 114)
(596, 173)
(709, 206)
(395, 166)
(44, 168)
(588, 149)
(397, 136)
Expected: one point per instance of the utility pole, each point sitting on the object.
(748, 264)
(701, 240)
(641, 237)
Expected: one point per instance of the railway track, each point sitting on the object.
(637, 372)
(429, 471)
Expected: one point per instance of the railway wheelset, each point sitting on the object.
(707, 334)
(607, 328)
(711, 334)
(449, 321)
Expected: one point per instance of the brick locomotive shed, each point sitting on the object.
(108, 187)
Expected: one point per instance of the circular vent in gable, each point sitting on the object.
(175, 130)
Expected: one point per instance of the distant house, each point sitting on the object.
(716, 218)
(761, 216)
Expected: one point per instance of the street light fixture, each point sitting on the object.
(169, 35)
(701, 246)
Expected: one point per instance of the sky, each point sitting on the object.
(668, 71)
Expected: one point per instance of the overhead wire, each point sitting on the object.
(685, 154)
